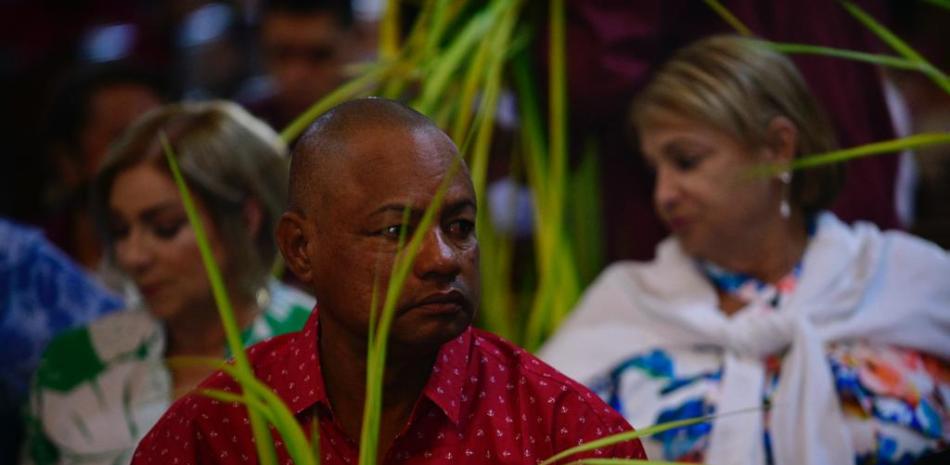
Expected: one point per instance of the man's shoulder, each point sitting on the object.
(264, 357)
(568, 412)
(531, 372)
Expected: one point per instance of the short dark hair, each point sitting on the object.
(327, 136)
(341, 9)
(70, 105)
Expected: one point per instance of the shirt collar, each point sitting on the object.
(298, 377)
(447, 380)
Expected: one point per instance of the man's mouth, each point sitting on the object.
(446, 303)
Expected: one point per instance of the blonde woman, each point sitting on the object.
(100, 388)
(840, 334)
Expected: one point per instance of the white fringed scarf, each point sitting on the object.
(857, 283)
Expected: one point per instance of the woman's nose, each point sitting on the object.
(133, 253)
(666, 191)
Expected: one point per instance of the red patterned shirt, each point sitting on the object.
(486, 401)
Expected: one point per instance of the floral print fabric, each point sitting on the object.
(100, 388)
(895, 401)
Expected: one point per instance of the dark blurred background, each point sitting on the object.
(54, 54)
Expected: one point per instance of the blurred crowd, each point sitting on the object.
(77, 73)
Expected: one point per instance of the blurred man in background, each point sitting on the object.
(305, 46)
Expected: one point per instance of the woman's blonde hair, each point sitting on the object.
(227, 158)
(738, 86)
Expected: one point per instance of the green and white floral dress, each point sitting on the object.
(100, 388)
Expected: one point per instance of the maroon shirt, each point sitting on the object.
(486, 401)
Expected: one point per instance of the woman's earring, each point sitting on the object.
(784, 208)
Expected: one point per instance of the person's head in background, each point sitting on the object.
(236, 168)
(716, 111)
(306, 45)
(90, 110)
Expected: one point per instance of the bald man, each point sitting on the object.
(451, 393)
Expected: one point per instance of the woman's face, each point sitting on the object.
(156, 246)
(706, 191)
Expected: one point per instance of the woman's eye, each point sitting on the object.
(167, 230)
(686, 162)
(118, 232)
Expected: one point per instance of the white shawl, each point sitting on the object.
(857, 283)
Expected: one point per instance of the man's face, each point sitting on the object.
(305, 55)
(357, 232)
(111, 110)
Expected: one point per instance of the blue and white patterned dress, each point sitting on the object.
(42, 293)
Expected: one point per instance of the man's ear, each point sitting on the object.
(781, 140)
(294, 241)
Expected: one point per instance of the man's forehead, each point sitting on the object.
(398, 148)
(374, 147)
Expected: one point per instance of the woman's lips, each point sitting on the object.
(149, 290)
(678, 224)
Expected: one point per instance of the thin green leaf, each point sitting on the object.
(446, 64)
(898, 45)
(532, 134)
(873, 58)
(440, 22)
(473, 78)
(555, 268)
(376, 357)
(876, 148)
(389, 31)
(557, 116)
(230, 397)
(407, 63)
(586, 218)
(218, 288)
(282, 418)
(643, 432)
(622, 462)
(495, 263)
(345, 92)
(265, 448)
(883, 33)
(941, 3)
(730, 18)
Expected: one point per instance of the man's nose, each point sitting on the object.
(438, 257)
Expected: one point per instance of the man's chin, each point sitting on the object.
(430, 333)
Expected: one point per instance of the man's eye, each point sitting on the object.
(393, 231)
(461, 228)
